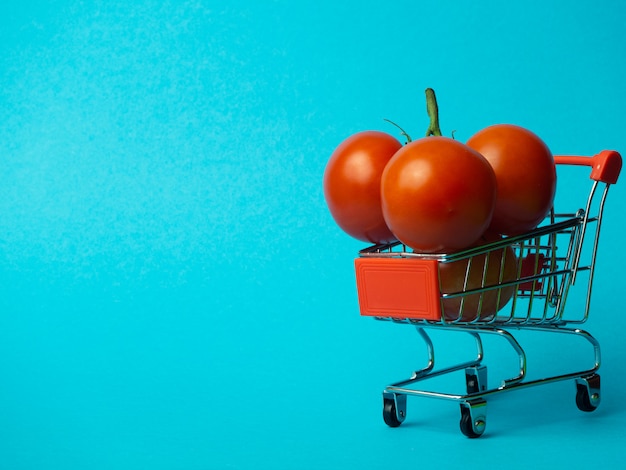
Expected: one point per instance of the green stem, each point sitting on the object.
(402, 131)
(433, 113)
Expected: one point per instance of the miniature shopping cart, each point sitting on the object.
(533, 276)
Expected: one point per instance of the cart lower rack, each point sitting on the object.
(511, 284)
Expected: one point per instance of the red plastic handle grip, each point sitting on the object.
(605, 166)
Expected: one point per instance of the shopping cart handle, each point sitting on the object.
(605, 166)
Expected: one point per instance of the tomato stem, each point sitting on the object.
(433, 113)
(402, 131)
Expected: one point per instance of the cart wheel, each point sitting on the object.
(394, 410)
(588, 393)
(473, 420)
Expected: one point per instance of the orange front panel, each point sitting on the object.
(398, 287)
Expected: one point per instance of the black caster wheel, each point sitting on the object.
(473, 420)
(394, 410)
(588, 393)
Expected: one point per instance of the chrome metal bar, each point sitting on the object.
(584, 229)
(594, 252)
(509, 384)
(428, 372)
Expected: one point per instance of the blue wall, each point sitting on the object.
(174, 293)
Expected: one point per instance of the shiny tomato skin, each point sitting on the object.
(525, 174)
(438, 195)
(499, 267)
(352, 185)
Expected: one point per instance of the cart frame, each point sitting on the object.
(397, 285)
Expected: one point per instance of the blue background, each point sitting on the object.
(174, 293)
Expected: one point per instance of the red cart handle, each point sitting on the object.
(605, 166)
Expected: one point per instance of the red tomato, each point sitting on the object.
(533, 263)
(526, 176)
(352, 185)
(482, 271)
(438, 195)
